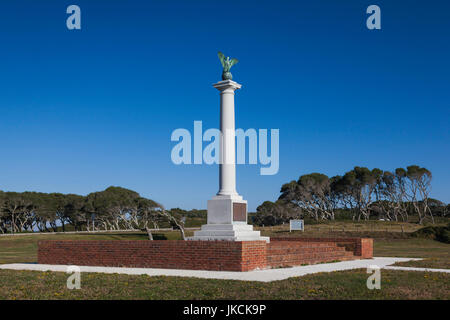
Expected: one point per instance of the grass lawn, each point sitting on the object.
(336, 285)
(436, 254)
(368, 229)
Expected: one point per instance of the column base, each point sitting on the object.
(227, 220)
(228, 232)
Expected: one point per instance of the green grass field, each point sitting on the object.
(389, 240)
(337, 285)
(436, 254)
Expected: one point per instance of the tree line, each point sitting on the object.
(115, 208)
(394, 195)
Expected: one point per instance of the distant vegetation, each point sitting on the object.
(360, 194)
(115, 208)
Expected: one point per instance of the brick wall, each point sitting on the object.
(365, 248)
(361, 247)
(202, 255)
(253, 255)
(295, 253)
(168, 254)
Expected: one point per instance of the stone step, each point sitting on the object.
(226, 233)
(300, 247)
(308, 260)
(287, 253)
(227, 227)
(275, 243)
(238, 237)
(300, 260)
(299, 250)
(307, 255)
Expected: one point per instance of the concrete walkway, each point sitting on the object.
(416, 269)
(266, 275)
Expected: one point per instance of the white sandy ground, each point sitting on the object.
(266, 275)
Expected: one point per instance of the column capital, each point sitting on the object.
(227, 84)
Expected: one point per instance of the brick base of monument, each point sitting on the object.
(203, 255)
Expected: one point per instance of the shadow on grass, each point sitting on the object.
(159, 236)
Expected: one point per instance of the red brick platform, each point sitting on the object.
(282, 252)
(203, 255)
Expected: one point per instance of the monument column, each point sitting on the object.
(227, 210)
(227, 166)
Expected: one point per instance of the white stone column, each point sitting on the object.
(227, 166)
(227, 211)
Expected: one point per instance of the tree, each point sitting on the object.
(313, 194)
(12, 205)
(177, 223)
(364, 192)
(274, 213)
(419, 188)
(3, 217)
(438, 208)
(147, 212)
(344, 194)
(361, 182)
(74, 210)
(114, 207)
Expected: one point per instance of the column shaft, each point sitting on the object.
(227, 168)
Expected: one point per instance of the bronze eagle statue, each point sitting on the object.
(227, 63)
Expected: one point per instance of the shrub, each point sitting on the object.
(439, 233)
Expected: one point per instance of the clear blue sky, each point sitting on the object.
(83, 110)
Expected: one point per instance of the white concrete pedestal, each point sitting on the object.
(223, 224)
(227, 211)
